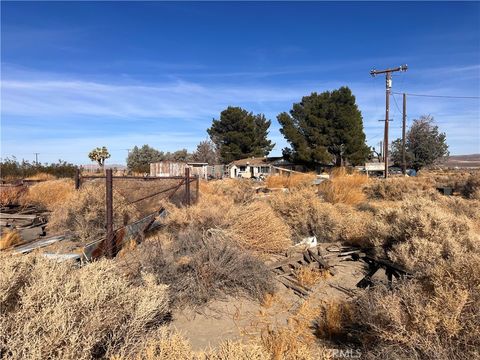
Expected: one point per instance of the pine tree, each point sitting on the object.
(239, 134)
(325, 128)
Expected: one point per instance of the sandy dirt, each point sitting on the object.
(244, 319)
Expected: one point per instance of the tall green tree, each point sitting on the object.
(139, 159)
(424, 144)
(239, 134)
(323, 128)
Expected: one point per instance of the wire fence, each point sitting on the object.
(148, 196)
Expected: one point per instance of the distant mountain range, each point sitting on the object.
(93, 167)
(463, 161)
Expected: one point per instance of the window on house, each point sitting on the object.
(242, 168)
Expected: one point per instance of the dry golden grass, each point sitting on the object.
(9, 238)
(42, 176)
(306, 215)
(211, 211)
(296, 340)
(170, 345)
(253, 226)
(256, 227)
(201, 266)
(435, 317)
(294, 180)
(344, 188)
(163, 346)
(11, 195)
(84, 212)
(238, 190)
(49, 194)
(420, 234)
(471, 188)
(58, 311)
(334, 316)
(310, 276)
(400, 188)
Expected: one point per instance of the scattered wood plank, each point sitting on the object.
(318, 258)
(23, 249)
(287, 261)
(63, 257)
(4, 216)
(294, 285)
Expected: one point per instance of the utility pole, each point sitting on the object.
(36, 158)
(404, 125)
(388, 87)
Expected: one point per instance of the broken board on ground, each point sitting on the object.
(285, 268)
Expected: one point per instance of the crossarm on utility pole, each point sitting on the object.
(388, 87)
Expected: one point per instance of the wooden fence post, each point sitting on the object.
(197, 189)
(77, 178)
(110, 245)
(187, 186)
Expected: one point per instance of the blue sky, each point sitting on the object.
(77, 75)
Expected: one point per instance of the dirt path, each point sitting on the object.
(240, 318)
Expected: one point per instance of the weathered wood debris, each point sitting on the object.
(326, 257)
(285, 269)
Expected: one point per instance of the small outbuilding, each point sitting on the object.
(177, 168)
(249, 168)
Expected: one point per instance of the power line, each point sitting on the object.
(396, 104)
(388, 90)
(440, 96)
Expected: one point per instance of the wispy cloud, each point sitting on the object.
(53, 112)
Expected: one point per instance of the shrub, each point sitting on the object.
(335, 317)
(399, 188)
(257, 227)
(168, 346)
(310, 276)
(420, 234)
(56, 311)
(296, 340)
(9, 238)
(49, 194)
(41, 176)
(471, 189)
(254, 226)
(200, 267)
(13, 169)
(298, 210)
(84, 212)
(294, 180)
(161, 346)
(343, 188)
(11, 195)
(211, 211)
(238, 190)
(306, 215)
(429, 318)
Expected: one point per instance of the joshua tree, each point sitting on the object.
(99, 155)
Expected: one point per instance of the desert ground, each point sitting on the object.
(286, 268)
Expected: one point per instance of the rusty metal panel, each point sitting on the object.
(167, 168)
(133, 231)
